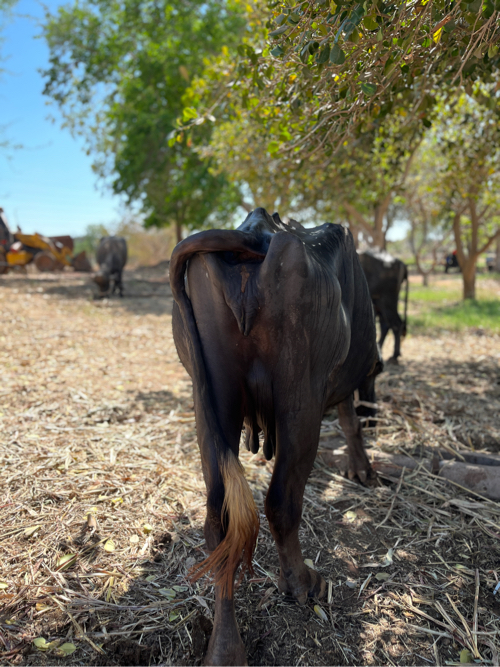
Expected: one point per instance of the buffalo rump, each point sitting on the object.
(385, 275)
(275, 325)
(111, 256)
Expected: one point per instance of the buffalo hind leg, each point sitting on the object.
(225, 646)
(384, 330)
(296, 445)
(358, 465)
(397, 342)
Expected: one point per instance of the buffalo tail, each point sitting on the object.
(239, 513)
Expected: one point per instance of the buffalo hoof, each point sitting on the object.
(364, 475)
(308, 584)
(393, 361)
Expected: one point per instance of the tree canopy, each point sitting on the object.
(457, 172)
(318, 72)
(118, 72)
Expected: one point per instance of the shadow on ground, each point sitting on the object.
(141, 296)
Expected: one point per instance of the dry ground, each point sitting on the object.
(102, 505)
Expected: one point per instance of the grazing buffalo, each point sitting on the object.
(451, 262)
(275, 325)
(385, 275)
(111, 256)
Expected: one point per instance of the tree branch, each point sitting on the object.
(248, 208)
(489, 242)
(359, 218)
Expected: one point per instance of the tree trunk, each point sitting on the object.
(178, 231)
(425, 279)
(378, 235)
(469, 278)
(467, 262)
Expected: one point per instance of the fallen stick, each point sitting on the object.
(482, 479)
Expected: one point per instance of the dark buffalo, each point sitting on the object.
(451, 262)
(385, 275)
(111, 256)
(275, 326)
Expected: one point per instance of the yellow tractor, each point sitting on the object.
(48, 254)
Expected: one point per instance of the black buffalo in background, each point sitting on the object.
(451, 262)
(111, 256)
(385, 275)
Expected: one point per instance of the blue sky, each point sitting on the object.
(48, 185)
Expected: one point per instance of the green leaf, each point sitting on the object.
(389, 67)
(466, 656)
(475, 6)
(277, 51)
(279, 31)
(337, 56)
(279, 20)
(323, 55)
(273, 147)
(382, 576)
(369, 88)
(492, 50)
(304, 54)
(167, 592)
(41, 643)
(189, 113)
(370, 23)
(65, 649)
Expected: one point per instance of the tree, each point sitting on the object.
(428, 234)
(464, 149)
(331, 67)
(5, 13)
(427, 213)
(316, 73)
(371, 172)
(118, 72)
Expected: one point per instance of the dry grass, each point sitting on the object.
(100, 463)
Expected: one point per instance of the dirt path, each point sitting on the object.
(99, 464)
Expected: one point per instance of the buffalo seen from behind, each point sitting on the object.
(385, 274)
(111, 256)
(275, 325)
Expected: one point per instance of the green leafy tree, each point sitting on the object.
(355, 185)
(118, 72)
(318, 73)
(462, 169)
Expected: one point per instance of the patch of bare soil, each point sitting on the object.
(102, 502)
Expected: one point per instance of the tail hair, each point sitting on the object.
(240, 513)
